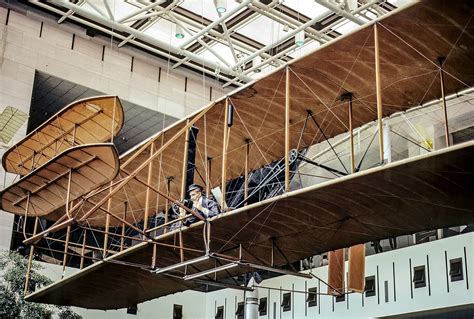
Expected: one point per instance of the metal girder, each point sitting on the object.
(215, 23)
(149, 39)
(140, 44)
(135, 13)
(231, 71)
(340, 11)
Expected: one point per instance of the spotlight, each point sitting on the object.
(299, 38)
(221, 5)
(179, 32)
(286, 28)
(255, 62)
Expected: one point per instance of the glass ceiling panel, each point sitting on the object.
(308, 8)
(206, 8)
(164, 30)
(308, 47)
(263, 30)
(346, 27)
(121, 9)
(221, 49)
(92, 8)
(259, 28)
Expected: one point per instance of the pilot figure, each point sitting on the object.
(203, 206)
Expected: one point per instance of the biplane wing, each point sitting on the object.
(46, 188)
(409, 76)
(90, 120)
(369, 205)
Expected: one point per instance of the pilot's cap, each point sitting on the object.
(195, 186)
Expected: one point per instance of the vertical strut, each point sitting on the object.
(183, 187)
(185, 162)
(224, 154)
(348, 97)
(379, 90)
(148, 190)
(168, 182)
(246, 171)
(122, 239)
(441, 75)
(66, 247)
(107, 225)
(113, 121)
(83, 249)
(30, 259)
(287, 130)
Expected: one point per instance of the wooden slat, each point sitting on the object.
(92, 165)
(336, 272)
(356, 273)
(86, 121)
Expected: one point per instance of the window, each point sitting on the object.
(240, 310)
(177, 311)
(312, 299)
(262, 307)
(370, 286)
(286, 302)
(419, 278)
(455, 269)
(340, 298)
(132, 310)
(220, 313)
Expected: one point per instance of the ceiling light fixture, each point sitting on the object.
(221, 5)
(286, 28)
(179, 32)
(299, 38)
(256, 62)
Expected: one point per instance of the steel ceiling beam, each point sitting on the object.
(204, 44)
(146, 8)
(109, 12)
(282, 18)
(216, 36)
(138, 44)
(289, 35)
(215, 23)
(280, 54)
(151, 40)
(70, 12)
(197, 61)
(339, 11)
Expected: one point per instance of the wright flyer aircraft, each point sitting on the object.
(246, 150)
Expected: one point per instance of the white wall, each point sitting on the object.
(434, 295)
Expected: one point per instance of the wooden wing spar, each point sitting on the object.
(91, 120)
(361, 207)
(48, 188)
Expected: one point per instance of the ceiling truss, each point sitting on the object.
(206, 38)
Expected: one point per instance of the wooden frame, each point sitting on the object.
(286, 109)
